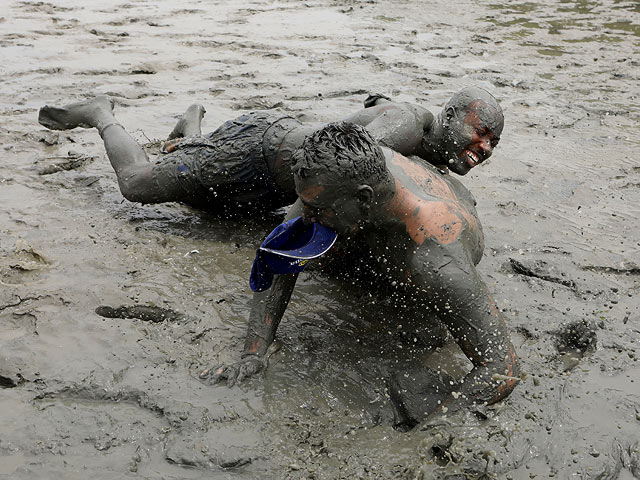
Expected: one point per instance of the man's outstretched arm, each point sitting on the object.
(267, 310)
(463, 303)
(399, 126)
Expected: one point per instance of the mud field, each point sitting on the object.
(83, 396)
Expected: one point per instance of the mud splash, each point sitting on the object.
(85, 395)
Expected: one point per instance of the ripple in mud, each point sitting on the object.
(226, 446)
(91, 426)
(540, 269)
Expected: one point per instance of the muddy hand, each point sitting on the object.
(236, 372)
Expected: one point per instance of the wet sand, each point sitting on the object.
(83, 396)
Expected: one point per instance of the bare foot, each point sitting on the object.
(189, 123)
(87, 114)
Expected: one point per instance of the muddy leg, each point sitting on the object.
(96, 112)
(189, 123)
(127, 157)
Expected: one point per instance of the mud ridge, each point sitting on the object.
(142, 312)
(631, 270)
(538, 271)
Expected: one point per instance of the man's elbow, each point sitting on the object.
(508, 380)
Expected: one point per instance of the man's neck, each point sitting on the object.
(431, 142)
(387, 201)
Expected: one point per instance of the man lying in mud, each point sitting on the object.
(417, 236)
(460, 137)
(245, 164)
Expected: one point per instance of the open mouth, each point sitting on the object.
(472, 159)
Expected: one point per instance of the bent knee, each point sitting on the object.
(137, 185)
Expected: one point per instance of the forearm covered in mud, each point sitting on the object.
(479, 329)
(266, 312)
(463, 303)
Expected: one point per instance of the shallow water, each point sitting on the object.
(82, 396)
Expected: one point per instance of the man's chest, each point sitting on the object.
(368, 260)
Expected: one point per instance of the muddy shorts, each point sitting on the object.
(229, 167)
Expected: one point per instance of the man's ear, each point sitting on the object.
(449, 113)
(365, 196)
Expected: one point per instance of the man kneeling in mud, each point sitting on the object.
(419, 236)
(245, 164)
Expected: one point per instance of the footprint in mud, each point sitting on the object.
(579, 336)
(22, 265)
(573, 340)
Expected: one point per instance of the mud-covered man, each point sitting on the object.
(419, 236)
(245, 164)
(460, 137)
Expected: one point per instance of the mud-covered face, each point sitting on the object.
(332, 206)
(471, 135)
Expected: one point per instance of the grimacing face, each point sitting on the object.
(333, 206)
(471, 136)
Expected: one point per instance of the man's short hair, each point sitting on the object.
(342, 150)
(473, 97)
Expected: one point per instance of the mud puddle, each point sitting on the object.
(84, 395)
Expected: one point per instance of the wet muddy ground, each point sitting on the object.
(84, 396)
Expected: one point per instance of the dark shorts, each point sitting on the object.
(229, 167)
